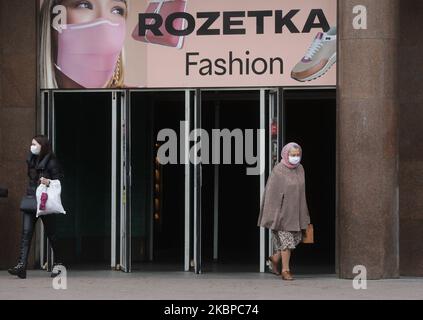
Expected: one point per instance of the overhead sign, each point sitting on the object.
(187, 43)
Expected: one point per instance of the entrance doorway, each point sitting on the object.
(310, 120)
(230, 198)
(158, 191)
(127, 210)
(82, 140)
(88, 134)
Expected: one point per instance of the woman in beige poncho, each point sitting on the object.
(284, 207)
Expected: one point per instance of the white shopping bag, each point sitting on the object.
(54, 202)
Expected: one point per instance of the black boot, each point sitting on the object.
(19, 270)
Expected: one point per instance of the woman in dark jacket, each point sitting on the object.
(42, 167)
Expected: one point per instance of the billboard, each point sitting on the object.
(187, 43)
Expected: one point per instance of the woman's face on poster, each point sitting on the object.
(102, 39)
(83, 11)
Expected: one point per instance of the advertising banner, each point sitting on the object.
(187, 43)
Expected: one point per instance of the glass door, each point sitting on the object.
(237, 111)
(230, 180)
(113, 122)
(195, 124)
(120, 103)
(80, 129)
(161, 179)
(274, 138)
(84, 130)
(44, 127)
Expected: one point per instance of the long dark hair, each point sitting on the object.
(45, 145)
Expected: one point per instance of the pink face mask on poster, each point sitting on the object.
(88, 52)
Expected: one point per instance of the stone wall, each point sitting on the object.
(410, 64)
(17, 114)
(367, 141)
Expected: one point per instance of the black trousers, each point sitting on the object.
(28, 226)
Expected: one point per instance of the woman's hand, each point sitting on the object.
(45, 181)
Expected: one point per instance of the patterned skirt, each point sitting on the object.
(283, 240)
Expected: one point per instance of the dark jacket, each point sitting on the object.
(48, 167)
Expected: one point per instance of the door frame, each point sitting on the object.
(188, 210)
(262, 147)
(198, 172)
(47, 127)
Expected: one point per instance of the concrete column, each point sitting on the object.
(411, 132)
(18, 65)
(367, 141)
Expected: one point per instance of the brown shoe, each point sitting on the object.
(286, 275)
(275, 265)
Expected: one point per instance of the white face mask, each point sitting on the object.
(35, 150)
(294, 160)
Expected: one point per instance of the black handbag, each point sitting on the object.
(29, 203)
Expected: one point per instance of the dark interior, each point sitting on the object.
(83, 147)
(311, 122)
(238, 193)
(165, 184)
